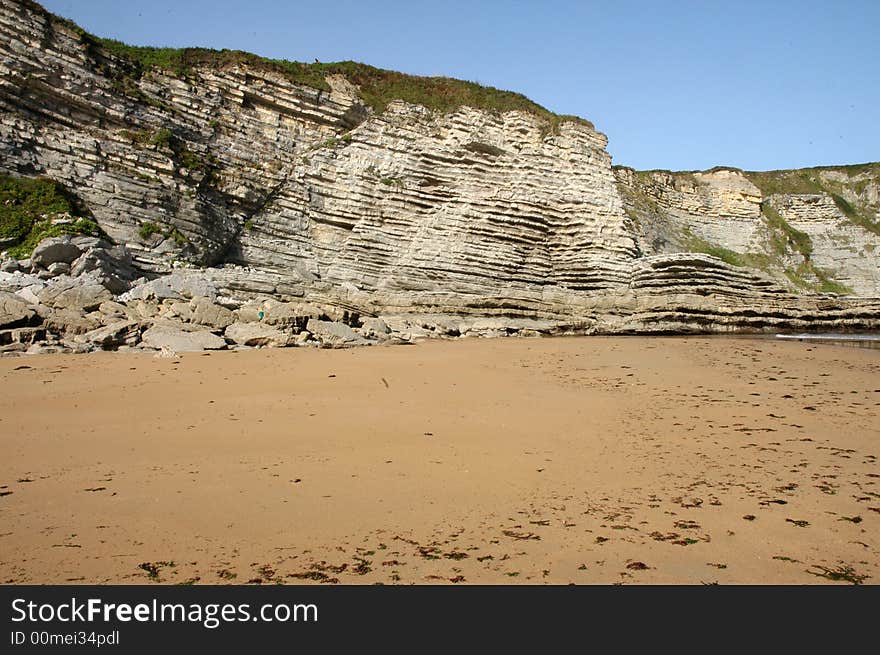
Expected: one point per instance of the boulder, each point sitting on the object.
(120, 333)
(55, 250)
(70, 321)
(255, 334)
(111, 266)
(41, 348)
(85, 242)
(18, 280)
(58, 268)
(290, 314)
(173, 287)
(14, 311)
(251, 312)
(144, 308)
(374, 327)
(26, 335)
(205, 312)
(31, 294)
(9, 265)
(111, 311)
(334, 334)
(163, 337)
(84, 293)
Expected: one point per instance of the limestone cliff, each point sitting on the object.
(302, 187)
(815, 229)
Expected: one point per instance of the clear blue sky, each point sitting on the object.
(679, 84)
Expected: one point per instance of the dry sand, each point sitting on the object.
(584, 460)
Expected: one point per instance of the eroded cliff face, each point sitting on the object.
(284, 190)
(815, 229)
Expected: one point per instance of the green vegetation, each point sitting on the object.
(725, 255)
(812, 181)
(165, 139)
(827, 285)
(148, 229)
(378, 87)
(781, 235)
(784, 240)
(162, 138)
(796, 181)
(141, 137)
(784, 235)
(31, 210)
(856, 216)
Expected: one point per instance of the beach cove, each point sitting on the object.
(587, 460)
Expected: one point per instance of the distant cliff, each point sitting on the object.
(816, 229)
(421, 197)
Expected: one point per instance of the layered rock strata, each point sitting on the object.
(466, 222)
(807, 229)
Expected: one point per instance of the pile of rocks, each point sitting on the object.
(79, 294)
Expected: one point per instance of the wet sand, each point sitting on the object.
(571, 460)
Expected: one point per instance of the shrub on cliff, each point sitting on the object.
(32, 209)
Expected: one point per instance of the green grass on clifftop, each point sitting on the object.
(377, 87)
(30, 209)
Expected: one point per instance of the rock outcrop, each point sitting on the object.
(41, 311)
(244, 196)
(812, 230)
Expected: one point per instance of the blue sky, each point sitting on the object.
(679, 84)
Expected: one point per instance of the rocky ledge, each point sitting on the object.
(81, 294)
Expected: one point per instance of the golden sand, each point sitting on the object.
(584, 460)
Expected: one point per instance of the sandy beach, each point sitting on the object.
(568, 460)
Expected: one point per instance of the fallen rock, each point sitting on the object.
(47, 349)
(374, 327)
(255, 334)
(334, 334)
(9, 265)
(25, 335)
(111, 266)
(146, 309)
(58, 268)
(70, 321)
(111, 310)
(121, 333)
(204, 312)
(18, 280)
(250, 312)
(54, 250)
(173, 287)
(163, 337)
(286, 314)
(85, 242)
(14, 311)
(30, 294)
(85, 294)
